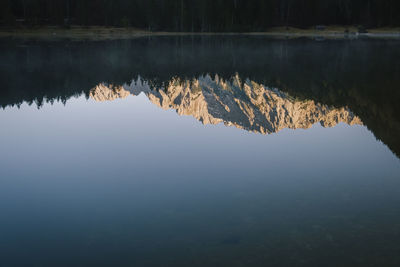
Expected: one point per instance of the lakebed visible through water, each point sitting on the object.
(200, 151)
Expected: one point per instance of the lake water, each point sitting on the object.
(200, 151)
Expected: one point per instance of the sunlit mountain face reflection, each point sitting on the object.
(243, 104)
(284, 153)
(257, 84)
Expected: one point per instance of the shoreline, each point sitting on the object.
(111, 33)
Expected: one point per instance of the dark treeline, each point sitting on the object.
(201, 15)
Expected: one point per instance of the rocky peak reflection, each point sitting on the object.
(246, 105)
(337, 75)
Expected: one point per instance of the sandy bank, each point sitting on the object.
(106, 33)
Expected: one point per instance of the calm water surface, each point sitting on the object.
(203, 151)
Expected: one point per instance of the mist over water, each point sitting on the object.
(200, 151)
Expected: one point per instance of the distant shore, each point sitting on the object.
(109, 33)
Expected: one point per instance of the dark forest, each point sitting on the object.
(200, 15)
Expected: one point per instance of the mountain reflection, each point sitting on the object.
(246, 105)
(286, 83)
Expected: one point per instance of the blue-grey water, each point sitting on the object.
(200, 151)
